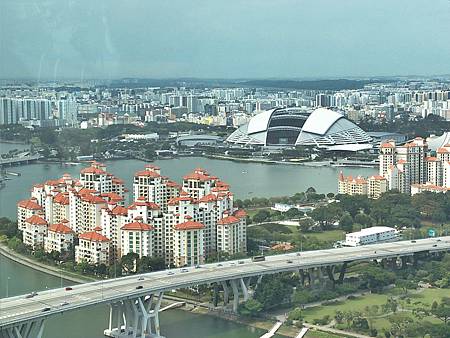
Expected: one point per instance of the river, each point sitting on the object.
(247, 180)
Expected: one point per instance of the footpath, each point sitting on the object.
(42, 267)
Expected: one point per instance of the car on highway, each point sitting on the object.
(219, 264)
(31, 295)
(241, 262)
(289, 261)
(68, 288)
(141, 278)
(413, 241)
(434, 245)
(258, 258)
(171, 273)
(64, 304)
(45, 309)
(197, 266)
(139, 287)
(184, 270)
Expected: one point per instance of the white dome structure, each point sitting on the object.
(323, 128)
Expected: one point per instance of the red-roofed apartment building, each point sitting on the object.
(59, 237)
(93, 248)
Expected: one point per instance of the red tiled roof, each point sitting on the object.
(377, 177)
(137, 226)
(93, 170)
(142, 203)
(189, 225)
(119, 210)
(93, 236)
(97, 228)
(240, 213)
(92, 199)
(147, 173)
(176, 200)
(62, 198)
(228, 220)
(208, 198)
(30, 204)
(60, 228)
(386, 145)
(112, 196)
(35, 219)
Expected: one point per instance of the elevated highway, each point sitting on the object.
(134, 301)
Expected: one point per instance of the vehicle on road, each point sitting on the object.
(64, 304)
(68, 288)
(139, 287)
(289, 261)
(258, 258)
(170, 273)
(45, 309)
(31, 295)
(141, 278)
(184, 270)
(241, 262)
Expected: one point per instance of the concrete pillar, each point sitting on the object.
(226, 292)
(235, 289)
(244, 289)
(342, 273)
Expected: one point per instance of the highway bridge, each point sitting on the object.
(8, 162)
(134, 301)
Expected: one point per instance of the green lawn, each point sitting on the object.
(425, 297)
(328, 236)
(349, 305)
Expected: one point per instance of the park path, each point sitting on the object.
(335, 331)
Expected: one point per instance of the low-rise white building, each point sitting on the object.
(371, 235)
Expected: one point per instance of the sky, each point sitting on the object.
(109, 39)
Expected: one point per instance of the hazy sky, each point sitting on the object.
(82, 39)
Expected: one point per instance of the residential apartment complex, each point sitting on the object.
(181, 223)
(408, 168)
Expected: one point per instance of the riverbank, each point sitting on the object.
(45, 268)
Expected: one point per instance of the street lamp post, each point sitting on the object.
(7, 286)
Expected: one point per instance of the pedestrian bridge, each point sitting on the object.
(135, 300)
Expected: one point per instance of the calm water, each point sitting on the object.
(247, 179)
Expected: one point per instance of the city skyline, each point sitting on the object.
(249, 39)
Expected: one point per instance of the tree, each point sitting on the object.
(261, 216)
(442, 310)
(376, 277)
(129, 262)
(296, 314)
(405, 285)
(147, 264)
(272, 291)
(251, 308)
(364, 220)
(346, 222)
(305, 224)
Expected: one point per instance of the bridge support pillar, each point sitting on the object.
(31, 329)
(244, 289)
(132, 318)
(234, 287)
(226, 292)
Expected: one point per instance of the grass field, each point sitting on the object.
(425, 297)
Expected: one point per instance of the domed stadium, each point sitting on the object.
(323, 128)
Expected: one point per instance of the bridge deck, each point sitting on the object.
(19, 309)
